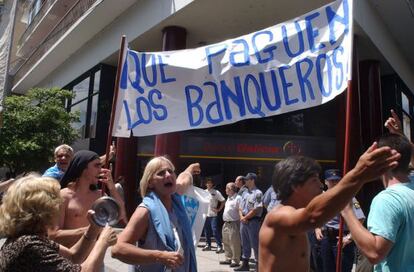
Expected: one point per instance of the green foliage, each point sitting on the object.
(33, 125)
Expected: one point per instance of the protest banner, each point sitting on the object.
(298, 64)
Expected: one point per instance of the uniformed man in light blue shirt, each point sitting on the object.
(270, 199)
(251, 208)
(328, 234)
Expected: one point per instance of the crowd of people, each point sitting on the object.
(293, 226)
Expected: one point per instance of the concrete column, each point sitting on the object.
(174, 38)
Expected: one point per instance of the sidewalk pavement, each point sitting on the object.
(207, 261)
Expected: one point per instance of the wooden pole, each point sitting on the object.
(114, 101)
(348, 116)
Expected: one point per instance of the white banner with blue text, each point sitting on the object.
(298, 64)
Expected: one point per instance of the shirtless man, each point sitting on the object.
(283, 243)
(79, 191)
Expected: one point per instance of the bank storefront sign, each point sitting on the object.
(248, 147)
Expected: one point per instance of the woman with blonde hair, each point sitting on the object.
(30, 207)
(160, 225)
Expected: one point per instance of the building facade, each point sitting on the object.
(74, 44)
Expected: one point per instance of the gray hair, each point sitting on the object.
(65, 147)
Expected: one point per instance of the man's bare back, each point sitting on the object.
(279, 251)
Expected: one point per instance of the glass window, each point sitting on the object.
(86, 91)
(405, 103)
(94, 116)
(96, 80)
(82, 108)
(94, 109)
(407, 125)
(406, 122)
(34, 10)
(81, 90)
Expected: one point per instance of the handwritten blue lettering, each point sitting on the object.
(333, 17)
(213, 51)
(194, 105)
(268, 50)
(287, 40)
(243, 53)
(303, 78)
(321, 61)
(255, 109)
(312, 32)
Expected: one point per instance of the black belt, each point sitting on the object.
(332, 233)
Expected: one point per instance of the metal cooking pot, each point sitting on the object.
(106, 211)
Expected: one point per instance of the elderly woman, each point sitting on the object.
(31, 206)
(160, 226)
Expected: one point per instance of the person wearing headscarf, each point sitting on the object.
(79, 190)
(30, 207)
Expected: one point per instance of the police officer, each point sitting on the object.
(241, 185)
(328, 235)
(270, 199)
(251, 208)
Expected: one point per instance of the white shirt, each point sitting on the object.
(231, 208)
(215, 198)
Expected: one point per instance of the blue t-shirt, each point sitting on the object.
(54, 172)
(392, 217)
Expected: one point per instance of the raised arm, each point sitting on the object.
(106, 177)
(80, 251)
(374, 247)
(373, 163)
(95, 259)
(126, 250)
(394, 126)
(185, 178)
(112, 151)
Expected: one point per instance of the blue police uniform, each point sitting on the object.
(249, 231)
(242, 190)
(329, 243)
(270, 199)
(330, 233)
